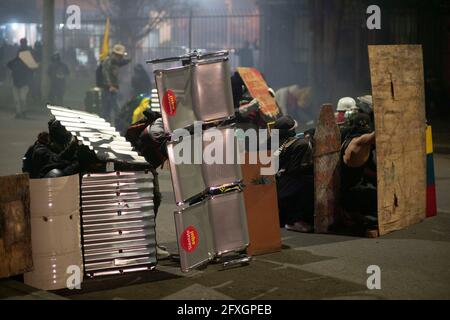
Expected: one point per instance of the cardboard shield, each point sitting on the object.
(28, 59)
(259, 90)
(399, 106)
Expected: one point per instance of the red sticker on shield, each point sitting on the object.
(170, 103)
(189, 239)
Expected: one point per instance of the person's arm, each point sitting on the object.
(358, 151)
(106, 71)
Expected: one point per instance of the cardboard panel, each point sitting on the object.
(326, 170)
(15, 230)
(261, 204)
(399, 106)
(258, 88)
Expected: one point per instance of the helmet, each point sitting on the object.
(365, 103)
(346, 104)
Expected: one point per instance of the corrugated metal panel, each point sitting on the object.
(155, 105)
(118, 222)
(97, 134)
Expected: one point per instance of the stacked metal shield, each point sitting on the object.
(211, 220)
(117, 216)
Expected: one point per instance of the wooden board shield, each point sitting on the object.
(327, 148)
(399, 105)
(15, 229)
(28, 59)
(261, 205)
(259, 90)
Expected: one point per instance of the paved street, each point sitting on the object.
(415, 263)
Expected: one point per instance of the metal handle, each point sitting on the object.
(194, 55)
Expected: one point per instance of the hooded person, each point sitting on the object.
(53, 154)
(358, 171)
(295, 178)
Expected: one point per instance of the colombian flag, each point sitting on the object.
(431, 185)
(105, 45)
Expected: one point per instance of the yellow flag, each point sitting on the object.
(105, 46)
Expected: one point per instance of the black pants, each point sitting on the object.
(295, 200)
(361, 199)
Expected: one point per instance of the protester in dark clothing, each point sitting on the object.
(245, 55)
(37, 51)
(22, 77)
(53, 154)
(295, 179)
(24, 45)
(140, 82)
(57, 72)
(358, 171)
(110, 81)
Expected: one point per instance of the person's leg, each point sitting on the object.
(17, 102)
(23, 97)
(114, 108)
(106, 105)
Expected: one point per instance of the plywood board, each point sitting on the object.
(15, 229)
(259, 90)
(261, 205)
(327, 147)
(399, 106)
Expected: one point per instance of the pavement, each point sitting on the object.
(414, 262)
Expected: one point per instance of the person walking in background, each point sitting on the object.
(58, 73)
(110, 81)
(22, 74)
(245, 55)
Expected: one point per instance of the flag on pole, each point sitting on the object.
(105, 45)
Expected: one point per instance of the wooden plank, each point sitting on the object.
(261, 204)
(259, 90)
(327, 147)
(15, 229)
(399, 106)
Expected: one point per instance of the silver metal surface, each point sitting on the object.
(237, 261)
(215, 175)
(187, 179)
(228, 222)
(202, 92)
(97, 134)
(118, 222)
(195, 218)
(220, 223)
(190, 179)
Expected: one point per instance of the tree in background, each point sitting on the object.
(132, 21)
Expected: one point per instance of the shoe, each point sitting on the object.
(299, 226)
(161, 253)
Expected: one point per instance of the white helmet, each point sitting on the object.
(346, 104)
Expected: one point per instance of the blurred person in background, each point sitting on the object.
(245, 55)
(140, 82)
(297, 102)
(58, 72)
(22, 75)
(110, 81)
